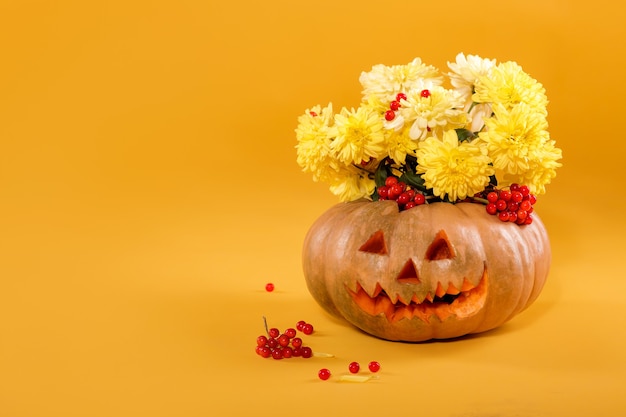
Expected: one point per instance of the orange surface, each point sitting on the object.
(149, 190)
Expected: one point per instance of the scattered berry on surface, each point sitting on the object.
(374, 366)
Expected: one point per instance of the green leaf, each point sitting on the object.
(413, 179)
(465, 134)
(381, 173)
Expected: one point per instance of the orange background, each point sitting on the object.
(149, 190)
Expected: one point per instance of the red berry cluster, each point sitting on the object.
(514, 205)
(394, 106)
(284, 345)
(399, 192)
(353, 367)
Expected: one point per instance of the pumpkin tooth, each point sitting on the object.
(429, 297)
(443, 312)
(452, 290)
(354, 287)
(466, 286)
(377, 291)
(416, 299)
(401, 300)
(440, 291)
(384, 305)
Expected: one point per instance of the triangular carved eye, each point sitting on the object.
(440, 248)
(375, 244)
(408, 274)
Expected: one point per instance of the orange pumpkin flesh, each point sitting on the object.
(435, 271)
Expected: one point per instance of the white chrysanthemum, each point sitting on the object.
(386, 82)
(430, 109)
(467, 70)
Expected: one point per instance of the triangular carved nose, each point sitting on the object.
(408, 274)
(440, 248)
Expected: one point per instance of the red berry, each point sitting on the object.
(307, 329)
(504, 216)
(409, 205)
(374, 366)
(274, 332)
(525, 205)
(419, 199)
(307, 352)
(300, 325)
(425, 93)
(532, 198)
(403, 198)
(514, 187)
(528, 220)
(272, 343)
(277, 353)
(517, 196)
(394, 105)
(501, 205)
(390, 115)
(491, 208)
(283, 340)
(397, 189)
(323, 374)
(297, 352)
(400, 96)
(296, 342)
(354, 367)
(261, 340)
(290, 332)
(492, 197)
(265, 351)
(287, 352)
(521, 215)
(512, 206)
(505, 195)
(512, 216)
(524, 190)
(269, 287)
(389, 181)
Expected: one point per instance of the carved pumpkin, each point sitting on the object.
(432, 272)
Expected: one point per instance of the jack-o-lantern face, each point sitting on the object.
(434, 271)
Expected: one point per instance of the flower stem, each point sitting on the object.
(480, 200)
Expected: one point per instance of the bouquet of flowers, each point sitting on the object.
(414, 140)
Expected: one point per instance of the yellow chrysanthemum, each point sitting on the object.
(541, 168)
(514, 136)
(399, 144)
(507, 84)
(314, 138)
(453, 169)
(430, 110)
(351, 184)
(385, 82)
(359, 135)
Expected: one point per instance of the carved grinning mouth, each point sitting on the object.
(445, 302)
